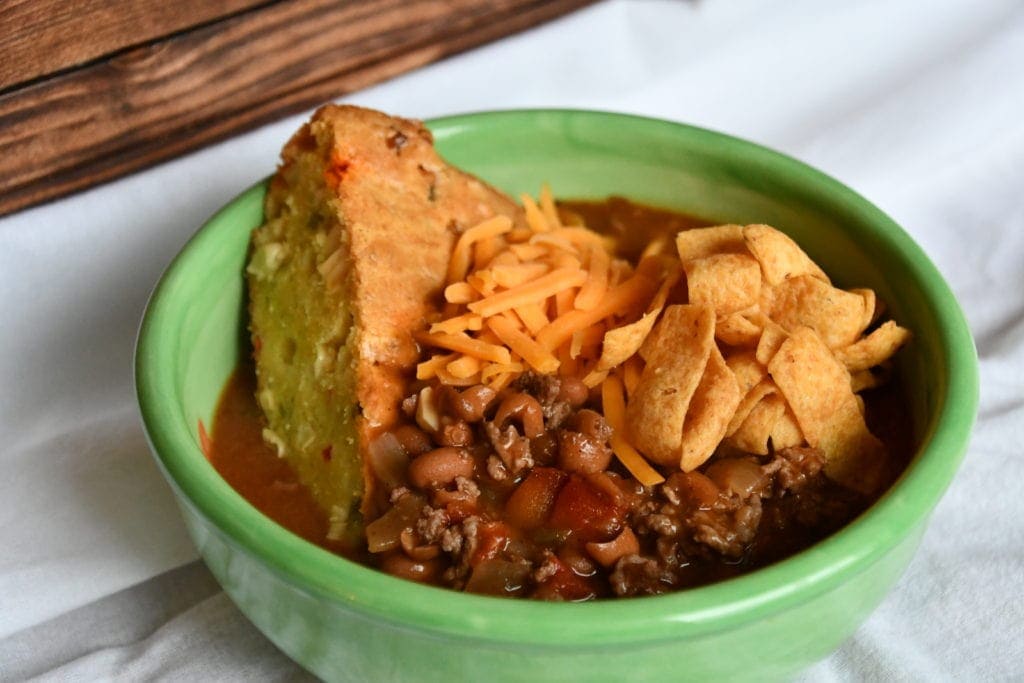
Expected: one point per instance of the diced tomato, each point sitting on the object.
(335, 172)
(565, 584)
(590, 513)
(530, 504)
(491, 539)
(458, 510)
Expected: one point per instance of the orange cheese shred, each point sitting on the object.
(585, 339)
(482, 281)
(453, 381)
(464, 367)
(459, 263)
(551, 240)
(537, 357)
(460, 293)
(460, 323)
(428, 368)
(529, 292)
(613, 406)
(484, 251)
(501, 381)
(493, 369)
(511, 275)
(547, 207)
(467, 345)
(631, 371)
(534, 216)
(533, 317)
(528, 252)
(576, 344)
(597, 280)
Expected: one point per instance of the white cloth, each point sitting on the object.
(917, 105)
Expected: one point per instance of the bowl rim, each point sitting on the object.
(682, 614)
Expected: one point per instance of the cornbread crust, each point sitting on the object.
(361, 218)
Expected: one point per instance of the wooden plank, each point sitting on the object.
(40, 37)
(154, 103)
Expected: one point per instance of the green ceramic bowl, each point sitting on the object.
(344, 621)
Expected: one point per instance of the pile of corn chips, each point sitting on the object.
(766, 350)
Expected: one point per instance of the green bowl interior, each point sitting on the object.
(189, 344)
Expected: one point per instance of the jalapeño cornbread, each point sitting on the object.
(360, 221)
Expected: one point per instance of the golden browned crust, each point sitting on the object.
(403, 207)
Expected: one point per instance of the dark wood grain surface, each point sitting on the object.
(147, 104)
(41, 37)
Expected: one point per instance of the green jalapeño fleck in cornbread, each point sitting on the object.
(361, 218)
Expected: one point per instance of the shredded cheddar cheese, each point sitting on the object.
(464, 367)
(467, 345)
(533, 316)
(428, 368)
(534, 216)
(526, 348)
(546, 285)
(544, 297)
(460, 323)
(597, 280)
(459, 263)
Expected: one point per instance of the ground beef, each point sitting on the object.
(462, 543)
(496, 469)
(511, 447)
(431, 524)
(726, 529)
(637, 575)
(452, 539)
(663, 525)
(796, 467)
(548, 568)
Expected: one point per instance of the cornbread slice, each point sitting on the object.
(361, 218)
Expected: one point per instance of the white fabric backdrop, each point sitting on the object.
(917, 105)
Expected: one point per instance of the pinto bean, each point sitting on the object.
(604, 481)
(440, 467)
(544, 448)
(609, 553)
(695, 488)
(577, 560)
(407, 540)
(472, 404)
(456, 434)
(401, 565)
(582, 453)
(593, 425)
(573, 391)
(412, 439)
(526, 409)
